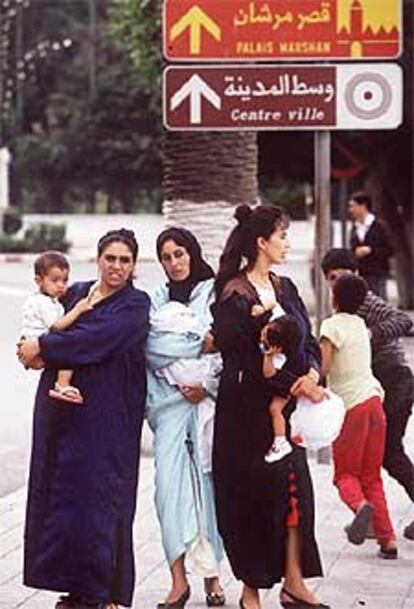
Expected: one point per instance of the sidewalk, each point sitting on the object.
(354, 576)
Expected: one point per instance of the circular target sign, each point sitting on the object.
(368, 96)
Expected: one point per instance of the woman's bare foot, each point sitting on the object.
(175, 593)
(298, 590)
(212, 584)
(215, 596)
(179, 586)
(250, 598)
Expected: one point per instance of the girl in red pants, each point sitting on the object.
(359, 450)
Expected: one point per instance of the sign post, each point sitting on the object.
(323, 225)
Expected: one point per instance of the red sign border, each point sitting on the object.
(273, 59)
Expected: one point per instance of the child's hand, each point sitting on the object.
(269, 350)
(194, 393)
(83, 305)
(269, 304)
(208, 344)
(257, 310)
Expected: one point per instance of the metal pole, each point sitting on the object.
(322, 146)
(343, 196)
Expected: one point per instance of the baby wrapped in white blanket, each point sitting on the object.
(177, 318)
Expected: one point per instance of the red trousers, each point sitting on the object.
(358, 454)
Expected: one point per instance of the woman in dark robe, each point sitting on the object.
(84, 463)
(265, 511)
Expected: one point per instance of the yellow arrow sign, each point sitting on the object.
(194, 20)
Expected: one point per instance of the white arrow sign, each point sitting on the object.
(195, 88)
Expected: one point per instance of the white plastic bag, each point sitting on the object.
(318, 424)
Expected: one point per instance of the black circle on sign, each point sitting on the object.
(371, 113)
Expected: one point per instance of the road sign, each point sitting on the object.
(231, 97)
(282, 30)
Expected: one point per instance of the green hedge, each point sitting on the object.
(11, 245)
(37, 238)
(44, 236)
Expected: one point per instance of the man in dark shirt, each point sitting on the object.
(370, 242)
(387, 325)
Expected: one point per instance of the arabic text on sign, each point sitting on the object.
(287, 84)
(264, 15)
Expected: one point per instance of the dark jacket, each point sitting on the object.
(377, 238)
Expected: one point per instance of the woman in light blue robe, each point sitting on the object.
(183, 491)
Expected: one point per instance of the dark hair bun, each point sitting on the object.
(121, 234)
(242, 213)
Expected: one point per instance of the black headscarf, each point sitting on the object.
(199, 269)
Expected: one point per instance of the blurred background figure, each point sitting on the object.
(370, 242)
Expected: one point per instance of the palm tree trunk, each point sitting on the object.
(206, 174)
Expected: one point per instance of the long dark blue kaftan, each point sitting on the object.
(84, 465)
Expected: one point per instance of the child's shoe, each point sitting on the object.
(279, 449)
(388, 550)
(357, 530)
(67, 393)
(409, 531)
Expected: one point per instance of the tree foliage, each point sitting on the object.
(138, 24)
(81, 144)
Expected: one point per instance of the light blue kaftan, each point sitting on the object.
(173, 420)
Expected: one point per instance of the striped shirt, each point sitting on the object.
(387, 325)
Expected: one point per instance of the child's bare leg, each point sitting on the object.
(280, 447)
(63, 389)
(64, 377)
(276, 414)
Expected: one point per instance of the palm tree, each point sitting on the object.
(206, 174)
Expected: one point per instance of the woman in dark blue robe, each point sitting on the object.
(84, 463)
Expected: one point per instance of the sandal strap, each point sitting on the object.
(68, 389)
(292, 596)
